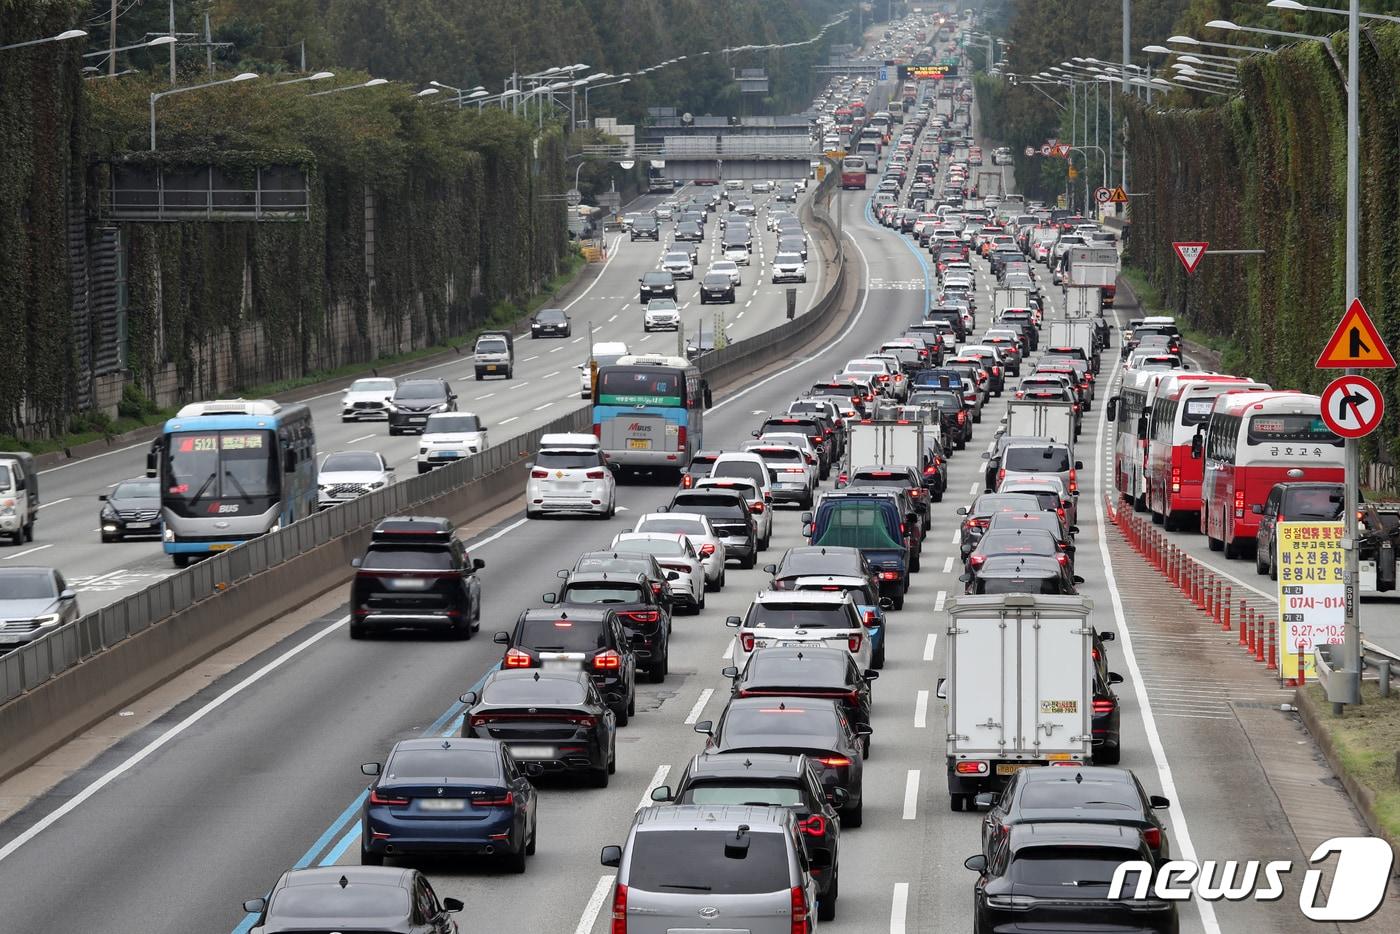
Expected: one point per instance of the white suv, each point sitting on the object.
(449, 436)
(814, 617)
(788, 267)
(678, 264)
(662, 314)
(570, 477)
(346, 475)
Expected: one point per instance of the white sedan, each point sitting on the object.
(702, 535)
(345, 475)
(673, 552)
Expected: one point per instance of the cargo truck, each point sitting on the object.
(1092, 266)
(1003, 299)
(1083, 301)
(1018, 689)
(19, 496)
(886, 441)
(1040, 418)
(1074, 333)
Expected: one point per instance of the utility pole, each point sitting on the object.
(209, 47)
(303, 56)
(1127, 60)
(172, 45)
(112, 43)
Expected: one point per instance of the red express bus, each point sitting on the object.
(853, 172)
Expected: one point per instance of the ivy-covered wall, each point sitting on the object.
(41, 118)
(1267, 170)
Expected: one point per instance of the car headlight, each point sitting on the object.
(377, 484)
(391, 407)
(167, 535)
(422, 450)
(48, 619)
(275, 527)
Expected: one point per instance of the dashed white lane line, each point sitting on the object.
(612, 319)
(548, 375)
(948, 564)
(577, 340)
(899, 907)
(911, 795)
(557, 349)
(539, 408)
(507, 421)
(973, 491)
(359, 439)
(921, 711)
(54, 502)
(27, 551)
(699, 708)
(957, 536)
(657, 779)
(601, 891)
(930, 644)
(487, 396)
(520, 385)
(938, 601)
(529, 358)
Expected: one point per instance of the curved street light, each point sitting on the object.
(318, 76)
(1326, 41)
(1253, 49)
(245, 76)
(61, 37)
(1295, 6)
(371, 83)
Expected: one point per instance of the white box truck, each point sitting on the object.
(1018, 691)
(886, 441)
(1003, 299)
(1040, 418)
(1083, 301)
(1076, 333)
(19, 496)
(1093, 266)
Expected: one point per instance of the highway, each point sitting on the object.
(173, 827)
(546, 386)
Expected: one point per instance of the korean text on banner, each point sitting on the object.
(1311, 591)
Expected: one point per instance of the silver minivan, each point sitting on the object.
(703, 867)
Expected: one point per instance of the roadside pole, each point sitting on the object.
(1349, 686)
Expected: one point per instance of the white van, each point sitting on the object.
(19, 496)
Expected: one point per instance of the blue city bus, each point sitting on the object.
(230, 471)
(648, 411)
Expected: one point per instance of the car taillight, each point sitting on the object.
(1152, 836)
(842, 478)
(538, 474)
(978, 560)
(931, 470)
(518, 659)
(687, 481)
(799, 911)
(1001, 475)
(596, 474)
(889, 575)
(706, 550)
(971, 767)
(1073, 480)
(746, 641)
(996, 371)
(478, 720)
(756, 507)
(814, 826)
(619, 909)
(816, 439)
(962, 417)
(1239, 504)
(505, 801)
(1062, 558)
(610, 660)
(643, 616)
(376, 798)
(834, 761)
(1104, 705)
(854, 642)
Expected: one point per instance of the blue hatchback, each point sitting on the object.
(463, 796)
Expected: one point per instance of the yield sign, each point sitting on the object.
(1190, 253)
(1356, 342)
(1062, 150)
(1352, 406)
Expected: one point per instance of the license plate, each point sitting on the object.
(139, 525)
(447, 454)
(442, 804)
(417, 419)
(793, 642)
(1010, 768)
(532, 752)
(490, 367)
(639, 444)
(221, 546)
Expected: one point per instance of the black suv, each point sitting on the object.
(646, 227)
(591, 637)
(729, 515)
(642, 611)
(416, 574)
(774, 778)
(716, 287)
(415, 399)
(657, 284)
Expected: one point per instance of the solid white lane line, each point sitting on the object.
(361, 438)
(54, 502)
(27, 551)
(938, 601)
(899, 907)
(601, 891)
(929, 645)
(699, 708)
(921, 710)
(657, 779)
(948, 564)
(507, 421)
(911, 794)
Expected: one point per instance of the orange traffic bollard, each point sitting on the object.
(1244, 622)
(1229, 595)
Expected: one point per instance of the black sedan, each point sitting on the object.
(132, 508)
(807, 671)
(1016, 542)
(343, 898)
(779, 780)
(1088, 794)
(1043, 877)
(716, 287)
(1107, 719)
(464, 796)
(550, 322)
(1020, 574)
(552, 721)
(590, 638)
(813, 727)
(821, 561)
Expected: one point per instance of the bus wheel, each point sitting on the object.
(181, 561)
(1233, 549)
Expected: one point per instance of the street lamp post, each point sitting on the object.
(61, 37)
(1326, 42)
(371, 83)
(245, 76)
(112, 52)
(598, 87)
(318, 76)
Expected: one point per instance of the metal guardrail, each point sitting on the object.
(30, 665)
(1385, 663)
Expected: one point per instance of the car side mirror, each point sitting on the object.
(611, 856)
(1074, 530)
(1115, 678)
(101, 497)
(805, 518)
(986, 455)
(1158, 802)
(354, 562)
(985, 801)
(729, 671)
(705, 728)
(255, 906)
(550, 597)
(478, 564)
(941, 688)
(501, 638)
(976, 863)
(562, 574)
(673, 575)
(733, 622)
(1257, 509)
(871, 674)
(370, 768)
(863, 729)
(452, 904)
(662, 793)
(754, 433)
(1078, 465)
(1107, 637)
(1197, 446)
(469, 699)
(770, 569)
(962, 510)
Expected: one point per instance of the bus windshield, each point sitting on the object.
(237, 470)
(637, 386)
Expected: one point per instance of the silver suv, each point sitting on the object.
(691, 866)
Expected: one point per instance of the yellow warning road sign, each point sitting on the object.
(1118, 196)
